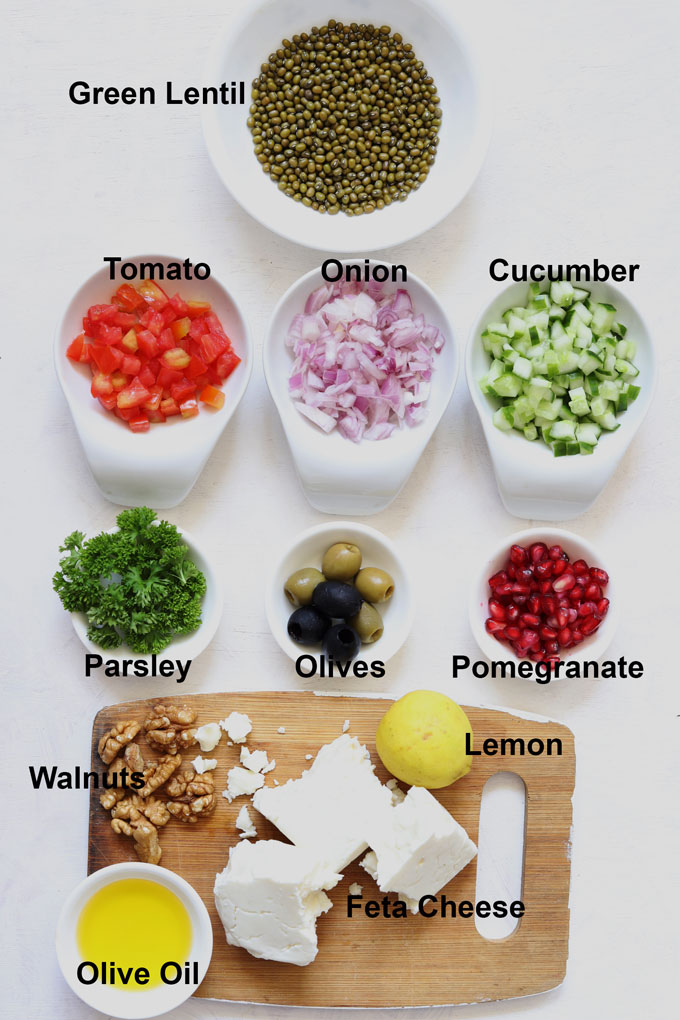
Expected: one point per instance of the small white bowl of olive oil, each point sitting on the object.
(134, 940)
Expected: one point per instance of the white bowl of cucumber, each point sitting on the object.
(561, 377)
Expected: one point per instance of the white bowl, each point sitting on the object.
(592, 647)
(337, 475)
(532, 482)
(118, 1002)
(446, 52)
(158, 467)
(186, 646)
(377, 551)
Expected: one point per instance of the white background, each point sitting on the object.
(583, 163)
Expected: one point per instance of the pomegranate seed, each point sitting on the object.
(577, 636)
(602, 607)
(521, 589)
(555, 552)
(593, 592)
(590, 625)
(503, 590)
(576, 595)
(572, 615)
(559, 567)
(564, 637)
(544, 587)
(600, 577)
(536, 656)
(553, 660)
(530, 620)
(547, 633)
(564, 583)
(496, 628)
(511, 571)
(551, 647)
(512, 633)
(537, 552)
(548, 604)
(581, 567)
(499, 578)
(518, 555)
(497, 611)
(553, 622)
(524, 575)
(528, 638)
(534, 604)
(512, 613)
(521, 600)
(587, 609)
(543, 569)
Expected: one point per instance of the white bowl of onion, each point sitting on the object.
(339, 475)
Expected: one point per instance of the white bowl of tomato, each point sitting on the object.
(152, 371)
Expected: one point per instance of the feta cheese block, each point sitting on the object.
(269, 897)
(416, 848)
(331, 807)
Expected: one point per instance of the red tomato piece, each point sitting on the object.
(126, 412)
(153, 294)
(215, 326)
(182, 391)
(131, 365)
(154, 401)
(195, 368)
(156, 416)
(107, 359)
(87, 326)
(213, 397)
(169, 315)
(75, 348)
(119, 381)
(147, 376)
(102, 313)
(125, 320)
(189, 408)
(195, 309)
(153, 321)
(167, 377)
(211, 347)
(134, 395)
(169, 407)
(147, 343)
(198, 328)
(101, 385)
(126, 297)
(108, 403)
(166, 341)
(176, 358)
(129, 341)
(227, 362)
(108, 334)
(180, 307)
(140, 422)
(181, 327)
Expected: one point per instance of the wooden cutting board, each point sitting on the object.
(372, 962)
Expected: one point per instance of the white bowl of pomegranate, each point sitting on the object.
(544, 596)
(361, 362)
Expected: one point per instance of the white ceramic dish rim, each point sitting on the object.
(306, 430)
(112, 1001)
(479, 144)
(611, 443)
(187, 647)
(592, 648)
(349, 530)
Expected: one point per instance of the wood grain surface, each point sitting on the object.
(372, 961)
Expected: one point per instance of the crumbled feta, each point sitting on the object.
(245, 823)
(237, 726)
(417, 847)
(308, 757)
(256, 761)
(269, 897)
(208, 736)
(241, 783)
(345, 726)
(355, 889)
(202, 765)
(396, 791)
(281, 729)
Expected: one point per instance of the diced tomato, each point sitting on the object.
(148, 344)
(131, 365)
(181, 327)
(126, 412)
(153, 294)
(197, 308)
(154, 401)
(129, 341)
(107, 359)
(119, 381)
(109, 402)
(125, 320)
(176, 358)
(75, 348)
(167, 377)
(147, 376)
(182, 391)
(215, 326)
(126, 297)
(166, 341)
(156, 416)
(134, 395)
(169, 407)
(102, 313)
(140, 423)
(87, 326)
(213, 397)
(107, 334)
(195, 368)
(198, 328)
(101, 385)
(153, 321)
(212, 376)
(226, 363)
(180, 306)
(189, 408)
(169, 315)
(86, 353)
(211, 347)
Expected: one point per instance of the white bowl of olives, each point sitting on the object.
(340, 595)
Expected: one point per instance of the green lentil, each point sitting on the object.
(345, 118)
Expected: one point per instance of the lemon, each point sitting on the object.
(421, 740)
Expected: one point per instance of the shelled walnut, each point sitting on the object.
(169, 728)
(115, 739)
(191, 795)
(158, 773)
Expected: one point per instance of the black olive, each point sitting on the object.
(341, 642)
(307, 625)
(337, 599)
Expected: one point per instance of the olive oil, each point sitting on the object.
(135, 923)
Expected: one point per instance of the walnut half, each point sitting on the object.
(169, 729)
(192, 795)
(115, 739)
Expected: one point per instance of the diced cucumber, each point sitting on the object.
(561, 293)
(603, 319)
(522, 368)
(503, 419)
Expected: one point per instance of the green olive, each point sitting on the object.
(367, 623)
(374, 585)
(300, 586)
(341, 562)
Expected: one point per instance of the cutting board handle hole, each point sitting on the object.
(500, 860)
